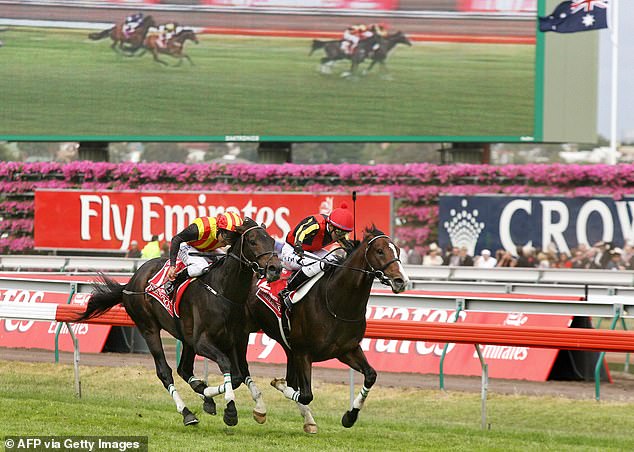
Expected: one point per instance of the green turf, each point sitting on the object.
(59, 83)
(39, 399)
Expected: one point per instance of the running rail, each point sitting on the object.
(464, 333)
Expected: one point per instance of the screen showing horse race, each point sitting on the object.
(281, 70)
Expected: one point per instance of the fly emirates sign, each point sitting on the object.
(109, 220)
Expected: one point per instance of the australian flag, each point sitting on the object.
(579, 15)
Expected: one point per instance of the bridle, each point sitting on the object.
(252, 264)
(378, 273)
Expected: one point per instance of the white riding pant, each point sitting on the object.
(195, 264)
(354, 39)
(292, 261)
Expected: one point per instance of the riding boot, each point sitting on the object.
(294, 283)
(170, 286)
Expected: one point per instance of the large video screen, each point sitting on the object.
(270, 70)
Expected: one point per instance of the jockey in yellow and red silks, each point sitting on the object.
(203, 234)
(353, 34)
(313, 234)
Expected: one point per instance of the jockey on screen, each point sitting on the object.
(167, 32)
(131, 23)
(355, 33)
(203, 235)
(312, 234)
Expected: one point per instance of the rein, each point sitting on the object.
(373, 272)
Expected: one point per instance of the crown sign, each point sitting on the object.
(463, 228)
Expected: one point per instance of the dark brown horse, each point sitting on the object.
(376, 48)
(126, 43)
(174, 47)
(329, 322)
(211, 310)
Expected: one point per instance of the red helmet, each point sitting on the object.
(341, 218)
(228, 221)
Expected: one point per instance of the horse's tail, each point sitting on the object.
(101, 34)
(104, 297)
(317, 44)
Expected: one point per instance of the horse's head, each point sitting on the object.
(400, 38)
(257, 247)
(186, 34)
(383, 258)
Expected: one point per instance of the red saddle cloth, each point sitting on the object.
(156, 288)
(268, 293)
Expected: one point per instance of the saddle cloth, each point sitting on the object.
(268, 293)
(156, 289)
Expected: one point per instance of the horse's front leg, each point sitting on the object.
(298, 374)
(259, 411)
(205, 348)
(186, 372)
(356, 360)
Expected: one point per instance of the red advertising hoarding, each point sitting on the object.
(110, 220)
(522, 363)
(41, 334)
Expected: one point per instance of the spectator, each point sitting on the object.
(453, 257)
(602, 255)
(152, 249)
(615, 262)
(465, 259)
(415, 257)
(563, 261)
(165, 249)
(579, 259)
(433, 257)
(506, 259)
(526, 258)
(134, 250)
(543, 261)
(485, 260)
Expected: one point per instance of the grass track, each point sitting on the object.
(38, 399)
(59, 83)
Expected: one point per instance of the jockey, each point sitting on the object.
(352, 35)
(131, 23)
(166, 32)
(379, 29)
(204, 234)
(312, 234)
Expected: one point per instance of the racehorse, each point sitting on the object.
(174, 47)
(211, 309)
(375, 47)
(380, 55)
(119, 38)
(329, 322)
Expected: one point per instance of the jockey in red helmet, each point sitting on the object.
(352, 35)
(203, 234)
(313, 234)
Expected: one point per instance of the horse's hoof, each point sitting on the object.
(310, 428)
(189, 418)
(231, 414)
(350, 417)
(260, 418)
(209, 406)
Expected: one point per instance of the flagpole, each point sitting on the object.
(614, 38)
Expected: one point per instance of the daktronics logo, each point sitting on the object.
(19, 296)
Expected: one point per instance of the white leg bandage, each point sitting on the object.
(180, 405)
